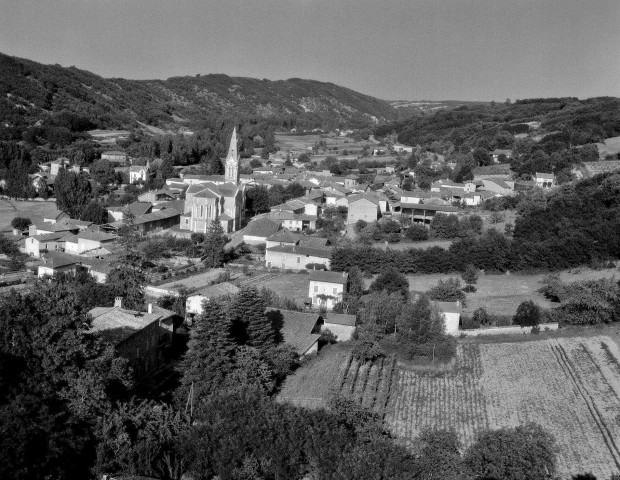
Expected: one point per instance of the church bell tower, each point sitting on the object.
(232, 161)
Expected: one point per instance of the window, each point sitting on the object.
(335, 290)
(201, 210)
(298, 259)
(316, 288)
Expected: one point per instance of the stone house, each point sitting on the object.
(363, 207)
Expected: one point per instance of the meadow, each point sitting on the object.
(35, 211)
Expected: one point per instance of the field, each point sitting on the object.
(35, 211)
(611, 146)
(335, 371)
(290, 285)
(570, 386)
(502, 294)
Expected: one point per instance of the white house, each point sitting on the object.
(297, 257)
(327, 288)
(340, 324)
(544, 180)
(451, 312)
(114, 156)
(139, 173)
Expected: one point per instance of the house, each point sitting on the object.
(299, 330)
(497, 153)
(497, 185)
(157, 196)
(116, 214)
(544, 180)
(58, 164)
(327, 288)
(399, 148)
(294, 257)
(351, 181)
(140, 173)
(55, 217)
(451, 312)
(149, 222)
(36, 245)
(294, 221)
(424, 213)
(286, 237)
(194, 303)
(340, 324)
(57, 262)
(363, 207)
(143, 338)
(87, 240)
(115, 156)
(257, 231)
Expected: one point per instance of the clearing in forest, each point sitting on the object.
(570, 386)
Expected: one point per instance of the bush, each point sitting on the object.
(417, 233)
(367, 351)
(481, 317)
(394, 237)
(21, 223)
(359, 225)
(528, 314)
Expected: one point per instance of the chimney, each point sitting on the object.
(149, 308)
(118, 302)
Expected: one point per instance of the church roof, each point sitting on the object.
(232, 149)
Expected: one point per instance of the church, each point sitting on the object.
(221, 198)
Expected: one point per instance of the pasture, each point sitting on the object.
(35, 211)
(611, 146)
(290, 285)
(570, 386)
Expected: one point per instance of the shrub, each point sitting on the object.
(447, 291)
(393, 237)
(367, 351)
(417, 232)
(481, 317)
(528, 314)
(21, 223)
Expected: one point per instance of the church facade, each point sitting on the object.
(221, 198)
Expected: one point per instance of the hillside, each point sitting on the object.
(30, 91)
(577, 122)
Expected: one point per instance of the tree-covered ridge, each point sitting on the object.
(580, 121)
(29, 91)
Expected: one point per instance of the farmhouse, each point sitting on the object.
(293, 221)
(143, 338)
(47, 242)
(327, 288)
(424, 213)
(114, 156)
(497, 185)
(87, 240)
(140, 173)
(299, 330)
(340, 324)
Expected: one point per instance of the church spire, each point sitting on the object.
(232, 160)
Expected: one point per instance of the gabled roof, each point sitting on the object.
(262, 227)
(497, 181)
(218, 290)
(47, 237)
(284, 236)
(297, 328)
(358, 198)
(329, 277)
(140, 208)
(117, 324)
(56, 227)
(96, 236)
(59, 259)
(545, 175)
(341, 319)
(325, 252)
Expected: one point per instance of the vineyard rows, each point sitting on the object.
(570, 386)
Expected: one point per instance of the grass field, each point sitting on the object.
(35, 211)
(610, 147)
(570, 386)
(291, 285)
(502, 294)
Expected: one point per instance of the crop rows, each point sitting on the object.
(570, 386)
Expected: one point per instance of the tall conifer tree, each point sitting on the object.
(248, 310)
(209, 358)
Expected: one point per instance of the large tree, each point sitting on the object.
(210, 354)
(73, 193)
(251, 323)
(213, 245)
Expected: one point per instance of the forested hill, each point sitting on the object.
(29, 91)
(570, 120)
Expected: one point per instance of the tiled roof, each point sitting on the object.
(497, 181)
(46, 237)
(140, 208)
(263, 227)
(329, 277)
(341, 319)
(291, 216)
(56, 227)
(433, 208)
(96, 236)
(284, 236)
(297, 329)
(118, 324)
(299, 250)
(312, 242)
(357, 198)
(59, 259)
(218, 290)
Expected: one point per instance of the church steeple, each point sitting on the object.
(232, 160)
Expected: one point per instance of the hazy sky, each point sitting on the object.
(392, 49)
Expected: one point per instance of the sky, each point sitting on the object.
(390, 49)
